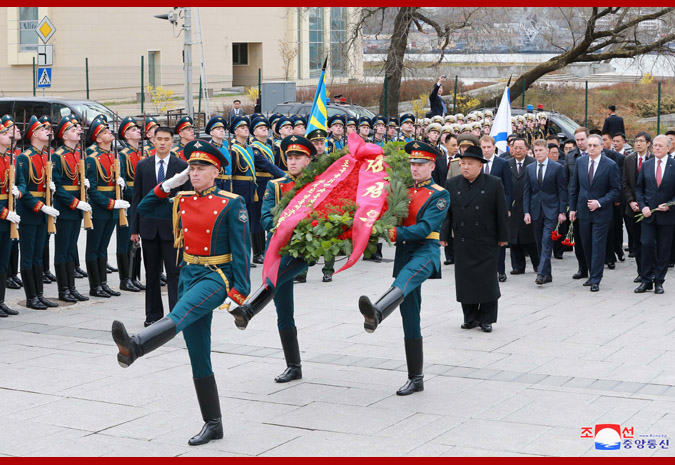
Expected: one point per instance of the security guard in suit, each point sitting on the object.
(337, 140)
(31, 186)
(186, 131)
(215, 268)
(299, 151)
(129, 158)
(246, 164)
(7, 217)
(99, 170)
(216, 128)
(67, 180)
(285, 129)
(417, 258)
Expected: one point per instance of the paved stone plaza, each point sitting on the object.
(560, 358)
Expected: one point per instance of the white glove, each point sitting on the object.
(87, 184)
(52, 186)
(176, 180)
(84, 206)
(121, 204)
(13, 217)
(51, 211)
(229, 304)
(121, 182)
(15, 191)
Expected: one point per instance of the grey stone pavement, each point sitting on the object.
(560, 358)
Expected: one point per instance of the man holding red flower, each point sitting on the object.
(544, 204)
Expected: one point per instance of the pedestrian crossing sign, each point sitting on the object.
(44, 77)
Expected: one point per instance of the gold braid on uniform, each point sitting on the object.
(75, 175)
(177, 230)
(101, 171)
(131, 171)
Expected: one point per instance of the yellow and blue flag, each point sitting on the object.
(318, 117)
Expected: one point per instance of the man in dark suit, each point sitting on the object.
(615, 234)
(498, 167)
(521, 235)
(479, 225)
(631, 169)
(580, 139)
(157, 235)
(544, 204)
(613, 123)
(595, 186)
(235, 111)
(435, 101)
(655, 188)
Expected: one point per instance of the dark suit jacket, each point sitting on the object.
(548, 199)
(436, 102)
(650, 195)
(230, 115)
(440, 173)
(145, 181)
(629, 179)
(519, 232)
(606, 189)
(500, 169)
(613, 124)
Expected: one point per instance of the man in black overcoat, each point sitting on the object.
(479, 222)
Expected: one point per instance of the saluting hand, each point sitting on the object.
(176, 180)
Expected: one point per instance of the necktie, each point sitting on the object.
(590, 173)
(520, 165)
(487, 168)
(639, 164)
(540, 175)
(659, 175)
(160, 172)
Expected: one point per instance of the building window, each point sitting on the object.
(240, 54)
(316, 54)
(28, 21)
(338, 38)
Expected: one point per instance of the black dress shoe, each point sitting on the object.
(35, 304)
(300, 279)
(11, 284)
(49, 275)
(470, 325)
(17, 280)
(127, 285)
(611, 265)
(111, 268)
(107, 289)
(541, 279)
(449, 262)
(415, 384)
(253, 265)
(3, 314)
(671, 265)
(327, 277)
(259, 259)
(290, 373)
(46, 279)
(517, 272)
(622, 258)
(631, 255)
(138, 284)
(658, 288)
(47, 302)
(6, 310)
(80, 273)
(643, 288)
(638, 279)
(502, 278)
(559, 256)
(486, 327)
(66, 296)
(212, 429)
(580, 274)
(98, 292)
(377, 257)
(587, 283)
(595, 287)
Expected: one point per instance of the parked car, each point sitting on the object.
(55, 107)
(303, 108)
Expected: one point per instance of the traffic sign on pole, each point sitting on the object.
(44, 77)
(45, 29)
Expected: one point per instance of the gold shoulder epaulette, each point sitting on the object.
(437, 187)
(227, 194)
(185, 193)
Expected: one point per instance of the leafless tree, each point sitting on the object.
(288, 51)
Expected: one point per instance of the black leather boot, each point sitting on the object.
(70, 276)
(147, 340)
(95, 289)
(289, 342)
(4, 308)
(124, 270)
(39, 287)
(253, 305)
(415, 359)
(374, 314)
(62, 283)
(136, 269)
(258, 246)
(209, 404)
(29, 288)
(102, 273)
(377, 256)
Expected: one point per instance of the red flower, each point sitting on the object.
(555, 235)
(315, 223)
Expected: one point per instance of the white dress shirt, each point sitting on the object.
(164, 160)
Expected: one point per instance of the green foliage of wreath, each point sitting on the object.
(330, 236)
